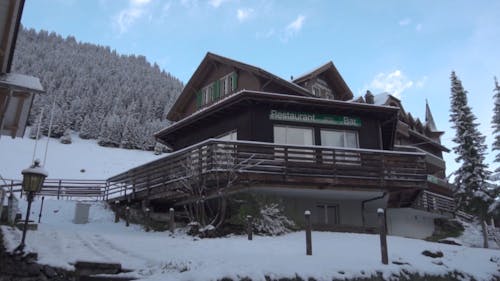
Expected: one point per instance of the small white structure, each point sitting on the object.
(81, 213)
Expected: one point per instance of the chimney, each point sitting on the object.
(369, 97)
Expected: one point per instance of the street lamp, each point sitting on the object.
(33, 178)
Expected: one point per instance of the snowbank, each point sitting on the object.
(68, 160)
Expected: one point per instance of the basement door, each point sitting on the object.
(328, 214)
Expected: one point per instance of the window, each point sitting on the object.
(233, 135)
(320, 89)
(340, 138)
(327, 214)
(296, 136)
(219, 88)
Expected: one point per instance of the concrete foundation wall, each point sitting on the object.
(349, 211)
(409, 222)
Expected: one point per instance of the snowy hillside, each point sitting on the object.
(161, 256)
(83, 159)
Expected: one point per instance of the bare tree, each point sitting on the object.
(210, 173)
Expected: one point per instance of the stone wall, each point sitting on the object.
(25, 268)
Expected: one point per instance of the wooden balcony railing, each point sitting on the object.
(269, 163)
(436, 203)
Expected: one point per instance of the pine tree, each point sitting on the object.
(496, 123)
(471, 192)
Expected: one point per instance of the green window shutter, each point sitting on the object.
(198, 99)
(216, 90)
(235, 81)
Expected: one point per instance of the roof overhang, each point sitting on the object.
(389, 113)
(17, 92)
(194, 85)
(10, 20)
(331, 73)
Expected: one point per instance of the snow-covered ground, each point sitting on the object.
(161, 256)
(68, 160)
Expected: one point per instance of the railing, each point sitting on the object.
(433, 202)
(269, 162)
(63, 188)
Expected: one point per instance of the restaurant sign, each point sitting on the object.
(327, 119)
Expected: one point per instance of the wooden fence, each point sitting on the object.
(63, 188)
(272, 164)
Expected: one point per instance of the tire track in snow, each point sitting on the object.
(110, 252)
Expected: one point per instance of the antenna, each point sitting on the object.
(37, 134)
(50, 130)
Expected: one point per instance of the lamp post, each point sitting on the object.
(33, 178)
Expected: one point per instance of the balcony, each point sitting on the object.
(237, 165)
(434, 203)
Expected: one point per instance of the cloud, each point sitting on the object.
(189, 3)
(405, 21)
(418, 27)
(217, 3)
(393, 83)
(128, 16)
(244, 14)
(421, 82)
(294, 27)
(266, 34)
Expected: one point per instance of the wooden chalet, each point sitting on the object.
(306, 141)
(17, 91)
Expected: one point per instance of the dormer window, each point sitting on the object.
(217, 89)
(321, 89)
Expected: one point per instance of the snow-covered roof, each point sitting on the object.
(21, 81)
(380, 99)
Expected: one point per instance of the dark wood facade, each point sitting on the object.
(394, 155)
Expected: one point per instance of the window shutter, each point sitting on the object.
(198, 99)
(216, 92)
(235, 81)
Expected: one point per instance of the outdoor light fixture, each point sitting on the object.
(33, 178)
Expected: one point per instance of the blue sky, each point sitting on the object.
(407, 48)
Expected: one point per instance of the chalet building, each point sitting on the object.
(308, 142)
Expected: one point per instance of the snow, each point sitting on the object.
(67, 161)
(163, 256)
(21, 81)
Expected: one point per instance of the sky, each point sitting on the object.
(407, 48)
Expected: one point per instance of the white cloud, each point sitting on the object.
(418, 27)
(139, 2)
(244, 14)
(393, 83)
(189, 3)
(421, 82)
(217, 3)
(128, 16)
(405, 21)
(266, 34)
(294, 27)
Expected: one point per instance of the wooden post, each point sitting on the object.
(59, 190)
(171, 222)
(148, 227)
(41, 209)
(127, 214)
(117, 216)
(383, 235)
(307, 215)
(493, 223)
(250, 227)
(485, 234)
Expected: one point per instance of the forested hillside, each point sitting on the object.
(119, 100)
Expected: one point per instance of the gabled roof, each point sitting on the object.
(330, 72)
(193, 84)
